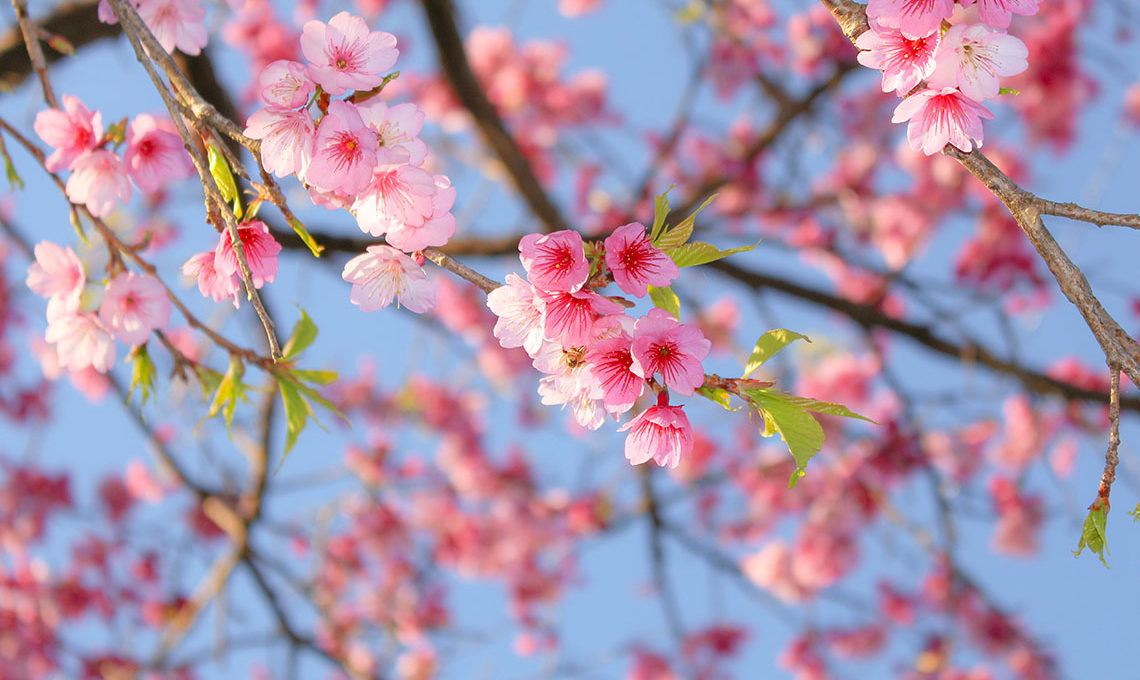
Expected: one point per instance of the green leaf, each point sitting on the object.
(666, 299)
(220, 169)
(329, 406)
(315, 377)
(315, 248)
(695, 253)
(827, 408)
(61, 44)
(14, 180)
(799, 429)
(142, 374)
(768, 345)
(691, 12)
(1134, 513)
(1009, 90)
(297, 413)
(208, 378)
(679, 234)
(718, 395)
(303, 334)
(230, 390)
(660, 212)
(1093, 533)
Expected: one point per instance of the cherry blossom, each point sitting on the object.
(519, 321)
(914, 18)
(57, 273)
(133, 306)
(611, 362)
(383, 274)
(569, 317)
(973, 58)
(399, 198)
(212, 283)
(555, 262)
(98, 181)
(259, 247)
(81, 341)
(661, 433)
(285, 84)
(905, 62)
(941, 117)
(397, 127)
(998, 13)
(176, 23)
(344, 55)
(287, 139)
(636, 263)
(661, 344)
(344, 152)
(71, 132)
(155, 153)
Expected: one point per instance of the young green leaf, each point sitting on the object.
(800, 430)
(315, 248)
(230, 390)
(142, 374)
(303, 334)
(297, 412)
(665, 298)
(660, 212)
(717, 395)
(825, 407)
(1093, 533)
(315, 377)
(695, 253)
(768, 345)
(678, 235)
(220, 169)
(14, 180)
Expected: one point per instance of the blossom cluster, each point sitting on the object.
(360, 154)
(100, 179)
(944, 71)
(175, 23)
(596, 358)
(83, 321)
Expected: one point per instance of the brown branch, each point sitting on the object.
(453, 62)
(76, 22)
(1083, 214)
(35, 51)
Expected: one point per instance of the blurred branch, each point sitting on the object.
(76, 22)
(457, 70)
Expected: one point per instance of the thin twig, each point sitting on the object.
(35, 51)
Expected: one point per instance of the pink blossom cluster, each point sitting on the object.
(218, 271)
(100, 179)
(360, 154)
(83, 324)
(596, 358)
(177, 24)
(943, 73)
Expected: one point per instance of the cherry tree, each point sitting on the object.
(413, 339)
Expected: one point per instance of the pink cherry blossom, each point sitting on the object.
(57, 273)
(438, 226)
(155, 153)
(998, 13)
(176, 23)
(661, 433)
(576, 8)
(914, 18)
(287, 139)
(383, 274)
(211, 282)
(555, 262)
(569, 317)
(520, 319)
(133, 306)
(661, 344)
(611, 361)
(344, 153)
(905, 62)
(974, 58)
(397, 127)
(285, 84)
(397, 196)
(260, 250)
(71, 132)
(81, 341)
(636, 263)
(570, 382)
(99, 181)
(343, 55)
(941, 117)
